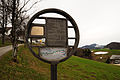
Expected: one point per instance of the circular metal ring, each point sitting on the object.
(68, 17)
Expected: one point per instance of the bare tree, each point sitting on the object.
(3, 18)
(19, 15)
(14, 12)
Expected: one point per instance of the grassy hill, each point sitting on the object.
(75, 68)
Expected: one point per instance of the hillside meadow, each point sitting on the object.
(75, 68)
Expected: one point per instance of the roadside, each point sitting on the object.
(5, 49)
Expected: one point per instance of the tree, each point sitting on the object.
(108, 60)
(18, 17)
(14, 12)
(86, 53)
(3, 17)
(79, 52)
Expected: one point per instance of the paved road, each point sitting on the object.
(3, 50)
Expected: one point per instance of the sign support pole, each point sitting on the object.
(53, 71)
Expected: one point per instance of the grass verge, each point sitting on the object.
(75, 68)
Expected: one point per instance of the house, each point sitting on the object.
(113, 45)
(115, 59)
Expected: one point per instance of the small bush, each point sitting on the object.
(86, 53)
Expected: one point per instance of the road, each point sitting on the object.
(5, 49)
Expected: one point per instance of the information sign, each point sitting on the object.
(53, 54)
(56, 32)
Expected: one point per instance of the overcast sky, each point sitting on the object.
(98, 20)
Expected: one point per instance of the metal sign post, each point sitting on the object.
(53, 71)
(49, 41)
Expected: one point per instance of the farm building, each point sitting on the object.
(115, 59)
(113, 45)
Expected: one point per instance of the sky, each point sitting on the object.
(98, 20)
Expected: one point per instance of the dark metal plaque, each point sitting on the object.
(56, 32)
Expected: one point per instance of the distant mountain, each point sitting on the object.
(93, 46)
(113, 45)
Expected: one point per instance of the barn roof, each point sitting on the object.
(115, 57)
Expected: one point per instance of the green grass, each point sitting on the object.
(110, 52)
(75, 68)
